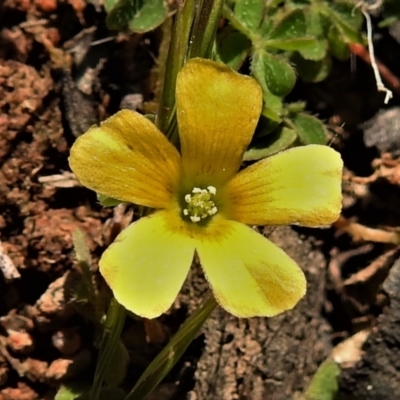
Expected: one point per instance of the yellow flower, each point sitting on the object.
(203, 203)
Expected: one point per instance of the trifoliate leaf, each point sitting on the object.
(250, 13)
(309, 129)
(347, 18)
(281, 140)
(312, 71)
(232, 48)
(292, 25)
(337, 46)
(273, 72)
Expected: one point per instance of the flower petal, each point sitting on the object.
(217, 111)
(248, 274)
(298, 186)
(129, 159)
(147, 264)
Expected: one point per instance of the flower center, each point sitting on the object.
(199, 204)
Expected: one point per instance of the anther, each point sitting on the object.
(212, 190)
(199, 204)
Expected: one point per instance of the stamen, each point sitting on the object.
(212, 190)
(200, 205)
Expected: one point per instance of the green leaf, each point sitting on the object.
(309, 129)
(137, 15)
(232, 48)
(291, 26)
(273, 73)
(303, 36)
(279, 141)
(72, 391)
(106, 201)
(117, 366)
(272, 107)
(337, 46)
(387, 22)
(110, 342)
(172, 352)
(314, 21)
(265, 27)
(295, 44)
(316, 52)
(250, 13)
(265, 127)
(295, 108)
(348, 14)
(347, 18)
(324, 384)
(312, 71)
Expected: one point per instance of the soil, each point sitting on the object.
(56, 80)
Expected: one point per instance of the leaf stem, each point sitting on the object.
(175, 60)
(113, 325)
(171, 353)
(205, 28)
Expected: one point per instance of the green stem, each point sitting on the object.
(114, 323)
(205, 28)
(176, 57)
(171, 353)
(193, 35)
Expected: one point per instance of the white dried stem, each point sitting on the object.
(365, 8)
(7, 267)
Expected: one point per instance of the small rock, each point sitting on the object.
(66, 341)
(383, 131)
(132, 101)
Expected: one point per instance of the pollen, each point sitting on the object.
(200, 204)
